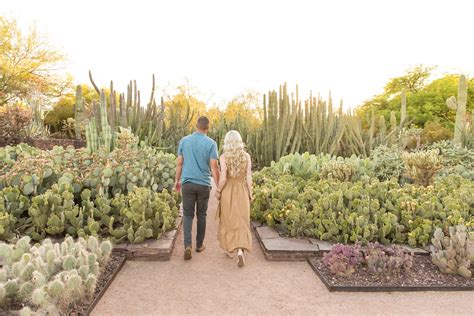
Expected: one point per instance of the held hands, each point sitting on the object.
(177, 186)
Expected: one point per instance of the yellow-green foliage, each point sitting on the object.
(367, 210)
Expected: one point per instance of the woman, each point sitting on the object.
(235, 193)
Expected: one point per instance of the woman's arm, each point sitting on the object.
(222, 177)
(248, 176)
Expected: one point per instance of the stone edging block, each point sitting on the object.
(152, 249)
(279, 248)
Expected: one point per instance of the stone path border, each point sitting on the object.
(151, 250)
(279, 248)
(104, 289)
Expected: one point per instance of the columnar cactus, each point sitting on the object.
(106, 130)
(453, 253)
(459, 105)
(92, 136)
(78, 112)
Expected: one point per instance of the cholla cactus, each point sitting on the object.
(51, 277)
(453, 253)
(338, 170)
(126, 139)
(69, 127)
(422, 166)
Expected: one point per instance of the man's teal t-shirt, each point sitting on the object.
(197, 150)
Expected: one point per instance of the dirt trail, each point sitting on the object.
(211, 283)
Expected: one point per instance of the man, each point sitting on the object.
(197, 157)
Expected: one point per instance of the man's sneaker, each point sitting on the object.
(201, 249)
(187, 253)
(241, 261)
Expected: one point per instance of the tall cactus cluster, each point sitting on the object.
(288, 127)
(150, 124)
(454, 253)
(50, 278)
(281, 131)
(106, 138)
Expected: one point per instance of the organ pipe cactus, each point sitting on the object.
(92, 136)
(78, 112)
(459, 105)
(145, 122)
(454, 253)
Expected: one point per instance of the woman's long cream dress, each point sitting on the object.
(234, 209)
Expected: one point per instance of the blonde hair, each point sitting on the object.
(234, 153)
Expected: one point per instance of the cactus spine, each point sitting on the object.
(459, 105)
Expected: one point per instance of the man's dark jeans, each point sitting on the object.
(195, 198)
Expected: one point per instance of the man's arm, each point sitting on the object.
(179, 171)
(222, 178)
(215, 171)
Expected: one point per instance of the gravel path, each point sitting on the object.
(211, 283)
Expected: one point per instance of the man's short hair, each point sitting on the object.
(203, 123)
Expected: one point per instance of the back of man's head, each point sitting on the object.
(203, 123)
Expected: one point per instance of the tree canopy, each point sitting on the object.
(426, 101)
(28, 65)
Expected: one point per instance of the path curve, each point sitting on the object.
(211, 283)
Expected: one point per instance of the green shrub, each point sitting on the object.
(61, 111)
(434, 132)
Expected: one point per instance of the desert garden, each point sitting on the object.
(375, 199)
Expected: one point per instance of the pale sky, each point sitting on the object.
(226, 47)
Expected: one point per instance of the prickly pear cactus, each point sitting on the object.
(142, 214)
(453, 253)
